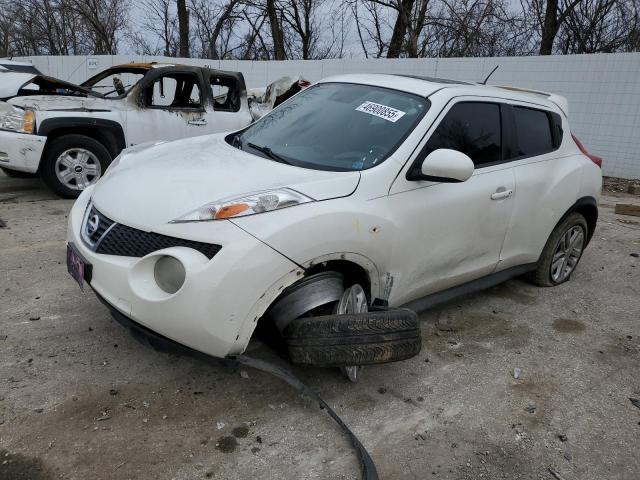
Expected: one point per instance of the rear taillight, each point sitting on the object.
(594, 158)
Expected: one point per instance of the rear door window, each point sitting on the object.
(226, 94)
(472, 128)
(174, 91)
(533, 132)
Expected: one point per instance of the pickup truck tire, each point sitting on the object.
(83, 154)
(16, 174)
(354, 339)
(561, 253)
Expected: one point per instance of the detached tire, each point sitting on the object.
(354, 339)
(73, 162)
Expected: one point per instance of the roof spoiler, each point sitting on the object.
(559, 100)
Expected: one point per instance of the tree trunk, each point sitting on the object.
(276, 31)
(549, 28)
(183, 27)
(400, 29)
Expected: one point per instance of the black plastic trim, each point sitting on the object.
(482, 283)
(582, 202)
(100, 125)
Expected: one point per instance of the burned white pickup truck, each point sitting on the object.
(69, 134)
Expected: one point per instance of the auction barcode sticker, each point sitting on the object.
(382, 111)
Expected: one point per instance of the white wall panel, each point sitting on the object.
(603, 90)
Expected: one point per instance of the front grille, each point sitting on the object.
(94, 226)
(131, 242)
(118, 239)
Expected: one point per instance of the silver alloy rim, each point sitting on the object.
(353, 300)
(567, 254)
(77, 168)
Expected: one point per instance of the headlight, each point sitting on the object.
(249, 204)
(16, 119)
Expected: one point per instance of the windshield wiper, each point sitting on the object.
(269, 153)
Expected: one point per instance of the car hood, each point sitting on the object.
(61, 103)
(11, 82)
(162, 182)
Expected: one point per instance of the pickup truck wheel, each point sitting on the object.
(16, 174)
(562, 252)
(73, 162)
(354, 338)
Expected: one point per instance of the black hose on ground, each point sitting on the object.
(367, 466)
(156, 341)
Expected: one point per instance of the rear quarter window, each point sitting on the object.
(533, 132)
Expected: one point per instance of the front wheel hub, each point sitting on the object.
(353, 300)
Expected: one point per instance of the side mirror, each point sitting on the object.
(443, 165)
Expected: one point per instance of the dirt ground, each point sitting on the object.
(81, 399)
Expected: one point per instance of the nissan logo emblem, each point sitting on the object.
(92, 224)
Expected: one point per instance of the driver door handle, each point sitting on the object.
(200, 122)
(501, 193)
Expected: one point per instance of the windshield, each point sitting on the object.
(335, 126)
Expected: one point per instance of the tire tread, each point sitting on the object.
(354, 339)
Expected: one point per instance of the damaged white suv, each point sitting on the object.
(359, 195)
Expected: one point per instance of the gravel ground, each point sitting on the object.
(81, 399)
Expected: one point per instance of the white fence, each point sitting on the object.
(603, 90)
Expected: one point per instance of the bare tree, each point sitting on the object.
(473, 28)
(312, 28)
(596, 26)
(214, 24)
(44, 27)
(183, 27)
(104, 21)
(277, 32)
(254, 44)
(403, 10)
(159, 27)
(371, 27)
(548, 16)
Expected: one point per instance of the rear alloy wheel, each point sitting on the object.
(567, 254)
(562, 252)
(72, 163)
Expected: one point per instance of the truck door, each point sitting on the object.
(171, 106)
(228, 109)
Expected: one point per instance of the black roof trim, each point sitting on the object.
(434, 79)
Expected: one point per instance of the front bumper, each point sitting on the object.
(217, 307)
(21, 151)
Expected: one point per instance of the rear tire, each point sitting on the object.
(354, 339)
(73, 156)
(16, 174)
(550, 271)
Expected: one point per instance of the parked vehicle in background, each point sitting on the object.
(13, 66)
(69, 133)
(359, 195)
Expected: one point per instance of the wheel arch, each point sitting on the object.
(588, 208)
(108, 132)
(354, 267)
